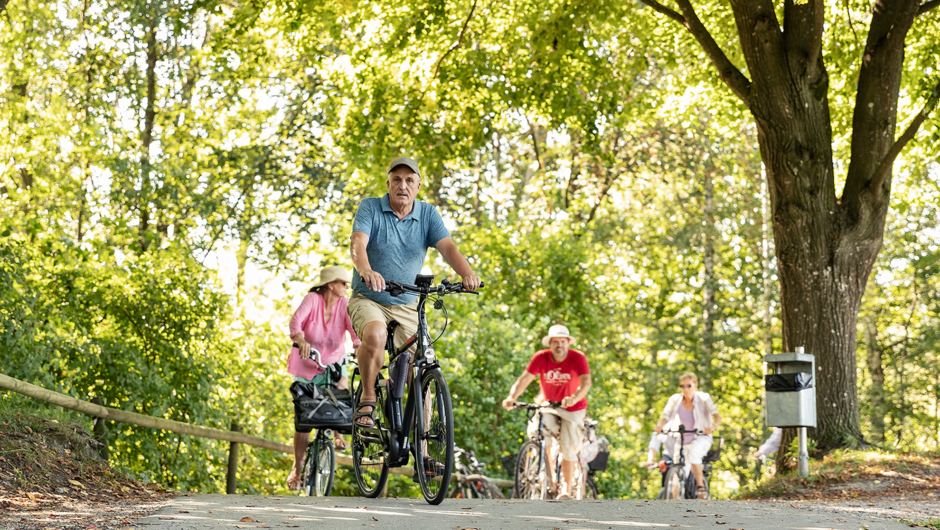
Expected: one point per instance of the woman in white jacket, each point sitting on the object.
(695, 411)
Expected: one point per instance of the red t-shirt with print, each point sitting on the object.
(560, 380)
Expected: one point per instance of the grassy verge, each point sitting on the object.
(855, 473)
(44, 450)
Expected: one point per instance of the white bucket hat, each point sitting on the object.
(331, 274)
(556, 331)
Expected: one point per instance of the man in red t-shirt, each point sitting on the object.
(564, 376)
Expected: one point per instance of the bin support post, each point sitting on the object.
(804, 454)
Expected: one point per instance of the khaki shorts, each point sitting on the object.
(571, 435)
(362, 311)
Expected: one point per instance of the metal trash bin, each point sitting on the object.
(790, 389)
(790, 396)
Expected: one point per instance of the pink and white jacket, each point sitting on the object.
(326, 337)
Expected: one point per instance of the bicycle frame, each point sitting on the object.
(687, 483)
(396, 438)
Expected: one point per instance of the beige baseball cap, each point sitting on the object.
(404, 161)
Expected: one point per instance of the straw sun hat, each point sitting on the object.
(331, 274)
(556, 331)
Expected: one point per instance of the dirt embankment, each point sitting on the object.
(52, 477)
(899, 486)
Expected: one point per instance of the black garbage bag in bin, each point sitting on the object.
(788, 382)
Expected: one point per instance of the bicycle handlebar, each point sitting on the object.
(682, 430)
(315, 357)
(446, 287)
(521, 405)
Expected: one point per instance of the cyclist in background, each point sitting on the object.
(320, 323)
(693, 410)
(564, 375)
(659, 441)
(771, 444)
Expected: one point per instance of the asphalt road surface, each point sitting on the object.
(200, 512)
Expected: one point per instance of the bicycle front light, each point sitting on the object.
(429, 353)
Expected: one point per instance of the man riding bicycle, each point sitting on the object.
(390, 239)
(564, 376)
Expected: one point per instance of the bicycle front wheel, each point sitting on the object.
(673, 488)
(318, 481)
(434, 437)
(370, 457)
(530, 484)
(708, 488)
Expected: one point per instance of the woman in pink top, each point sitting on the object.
(321, 323)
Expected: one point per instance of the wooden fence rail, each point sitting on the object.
(143, 420)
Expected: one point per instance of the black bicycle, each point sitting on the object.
(320, 458)
(425, 427)
(471, 482)
(679, 484)
(535, 477)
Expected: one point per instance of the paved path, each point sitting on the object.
(199, 512)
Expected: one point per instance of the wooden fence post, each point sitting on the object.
(232, 463)
(100, 431)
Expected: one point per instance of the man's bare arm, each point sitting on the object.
(518, 388)
(581, 393)
(458, 262)
(358, 242)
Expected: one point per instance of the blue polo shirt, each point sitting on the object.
(397, 247)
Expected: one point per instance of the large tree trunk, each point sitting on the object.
(825, 246)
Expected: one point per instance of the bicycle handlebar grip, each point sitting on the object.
(314, 355)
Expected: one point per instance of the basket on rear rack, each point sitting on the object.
(715, 452)
(599, 463)
(321, 407)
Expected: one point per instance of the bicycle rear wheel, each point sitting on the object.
(434, 437)
(590, 488)
(530, 482)
(492, 491)
(318, 474)
(370, 460)
(674, 487)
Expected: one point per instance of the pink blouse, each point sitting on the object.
(327, 337)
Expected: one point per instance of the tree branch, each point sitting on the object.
(926, 6)
(884, 168)
(660, 9)
(457, 44)
(819, 19)
(729, 73)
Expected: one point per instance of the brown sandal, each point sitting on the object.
(361, 414)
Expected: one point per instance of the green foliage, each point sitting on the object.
(591, 170)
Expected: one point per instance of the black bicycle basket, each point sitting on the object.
(603, 453)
